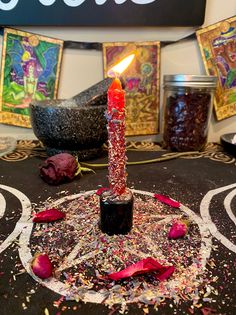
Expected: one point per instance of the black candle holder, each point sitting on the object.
(116, 212)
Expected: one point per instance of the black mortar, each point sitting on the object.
(64, 126)
(76, 125)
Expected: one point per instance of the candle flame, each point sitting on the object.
(119, 68)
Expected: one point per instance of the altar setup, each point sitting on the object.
(92, 222)
(144, 271)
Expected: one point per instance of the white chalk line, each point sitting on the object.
(205, 213)
(227, 204)
(22, 222)
(2, 205)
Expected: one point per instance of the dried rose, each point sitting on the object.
(42, 266)
(144, 266)
(48, 215)
(178, 230)
(167, 200)
(59, 168)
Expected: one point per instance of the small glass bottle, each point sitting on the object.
(188, 101)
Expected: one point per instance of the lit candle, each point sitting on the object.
(116, 130)
(116, 204)
(116, 138)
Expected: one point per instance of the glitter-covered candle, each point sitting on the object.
(116, 203)
(116, 138)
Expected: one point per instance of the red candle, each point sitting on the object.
(116, 138)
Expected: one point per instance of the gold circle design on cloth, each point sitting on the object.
(24, 150)
(213, 151)
(15, 156)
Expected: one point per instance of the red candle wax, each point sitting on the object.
(116, 138)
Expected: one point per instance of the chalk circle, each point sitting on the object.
(23, 221)
(92, 296)
(205, 213)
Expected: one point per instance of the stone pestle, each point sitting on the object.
(94, 95)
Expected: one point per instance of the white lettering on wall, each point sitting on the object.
(143, 1)
(75, 3)
(71, 3)
(100, 2)
(47, 2)
(8, 6)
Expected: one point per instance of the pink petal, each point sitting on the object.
(101, 190)
(48, 215)
(167, 200)
(42, 266)
(144, 266)
(177, 230)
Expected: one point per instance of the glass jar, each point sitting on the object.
(188, 103)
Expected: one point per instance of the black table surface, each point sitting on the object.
(189, 178)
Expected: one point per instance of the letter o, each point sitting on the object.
(100, 2)
(73, 3)
(119, 1)
(47, 2)
(143, 1)
(8, 6)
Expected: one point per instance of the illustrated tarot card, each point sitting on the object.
(142, 79)
(218, 48)
(30, 72)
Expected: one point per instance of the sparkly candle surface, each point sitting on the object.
(116, 138)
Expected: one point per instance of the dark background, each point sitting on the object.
(158, 13)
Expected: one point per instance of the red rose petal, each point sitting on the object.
(101, 190)
(167, 200)
(166, 274)
(42, 266)
(144, 266)
(48, 215)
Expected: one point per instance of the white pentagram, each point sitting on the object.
(72, 259)
(24, 228)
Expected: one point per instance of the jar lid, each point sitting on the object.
(190, 80)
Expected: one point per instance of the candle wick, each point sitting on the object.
(113, 74)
